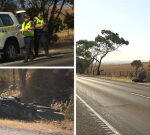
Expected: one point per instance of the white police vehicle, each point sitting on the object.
(10, 44)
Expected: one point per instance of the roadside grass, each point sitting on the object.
(14, 93)
(122, 79)
(65, 35)
(59, 47)
(56, 48)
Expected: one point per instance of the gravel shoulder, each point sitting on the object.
(14, 127)
(87, 122)
(14, 131)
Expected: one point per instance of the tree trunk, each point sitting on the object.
(91, 66)
(94, 67)
(99, 65)
(91, 69)
(51, 20)
(14, 77)
(60, 10)
(22, 76)
(136, 72)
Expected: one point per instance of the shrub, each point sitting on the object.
(142, 75)
(69, 114)
(148, 74)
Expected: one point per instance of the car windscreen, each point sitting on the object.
(7, 21)
(20, 17)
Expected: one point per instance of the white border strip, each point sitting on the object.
(36, 67)
(91, 109)
(140, 95)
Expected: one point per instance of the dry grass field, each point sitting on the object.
(120, 72)
(66, 35)
(121, 67)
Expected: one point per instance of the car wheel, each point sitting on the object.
(10, 52)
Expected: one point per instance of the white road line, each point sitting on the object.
(102, 119)
(140, 95)
(101, 124)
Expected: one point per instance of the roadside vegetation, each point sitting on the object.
(48, 87)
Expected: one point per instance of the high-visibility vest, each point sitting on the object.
(27, 26)
(38, 22)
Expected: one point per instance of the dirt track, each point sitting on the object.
(14, 131)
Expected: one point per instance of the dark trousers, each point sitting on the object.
(40, 36)
(28, 46)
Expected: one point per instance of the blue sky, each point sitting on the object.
(129, 18)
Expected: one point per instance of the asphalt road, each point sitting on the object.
(105, 106)
(15, 131)
(61, 59)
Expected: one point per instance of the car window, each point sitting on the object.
(7, 21)
(20, 17)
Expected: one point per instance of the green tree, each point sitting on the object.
(84, 54)
(54, 18)
(148, 73)
(82, 65)
(137, 64)
(106, 43)
(98, 49)
(69, 21)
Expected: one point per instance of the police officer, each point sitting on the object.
(28, 34)
(40, 35)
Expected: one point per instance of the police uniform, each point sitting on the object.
(40, 36)
(28, 38)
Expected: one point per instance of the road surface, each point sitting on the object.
(111, 107)
(61, 59)
(14, 131)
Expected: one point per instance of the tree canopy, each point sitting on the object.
(137, 64)
(96, 50)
